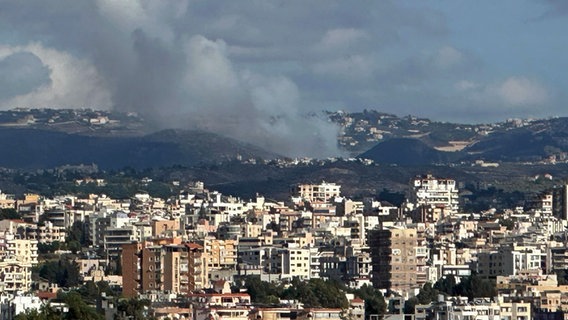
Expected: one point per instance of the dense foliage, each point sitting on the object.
(312, 293)
(64, 272)
(132, 309)
(8, 213)
(374, 300)
(471, 287)
(78, 309)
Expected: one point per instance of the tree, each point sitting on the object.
(329, 293)
(74, 246)
(78, 309)
(312, 293)
(46, 312)
(562, 276)
(91, 291)
(395, 198)
(261, 291)
(446, 285)
(427, 294)
(63, 272)
(132, 309)
(471, 287)
(9, 213)
(274, 226)
(76, 233)
(374, 300)
(410, 305)
(29, 314)
(508, 223)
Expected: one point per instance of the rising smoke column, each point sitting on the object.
(137, 55)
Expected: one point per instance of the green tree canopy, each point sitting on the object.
(374, 300)
(312, 293)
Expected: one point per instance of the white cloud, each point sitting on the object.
(465, 85)
(74, 82)
(341, 39)
(448, 56)
(513, 91)
(210, 76)
(520, 91)
(349, 67)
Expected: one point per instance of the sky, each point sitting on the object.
(254, 70)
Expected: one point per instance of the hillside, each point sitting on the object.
(405, 151)
(540, 140)
(51, 137)
(35, 148)
(408, 140)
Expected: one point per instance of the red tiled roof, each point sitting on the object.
(192, 245)
(46, 295)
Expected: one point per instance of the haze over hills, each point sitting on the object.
(48, 138)
(43, 138)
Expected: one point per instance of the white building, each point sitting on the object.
(323, 192)
(11, 306)
(509, 260)
(432, 192)
(291, 261)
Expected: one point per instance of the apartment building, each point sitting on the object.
(323, 192)
(168, 266)
(23, 251)
(292, 261)
(393, 258)
(438, 196)
(7, 201)
(221, 254)
(15, 276)
(509, 260)
(184, 268)
(131, 269)
(165, 227)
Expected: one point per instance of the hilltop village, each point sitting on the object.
(203, 255)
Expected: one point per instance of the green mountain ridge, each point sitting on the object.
(43, 138)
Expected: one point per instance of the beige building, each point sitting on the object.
(292, 261)
(7, 201)
(23, 251)
(515, 310)
(48, 233)
(165, 227)
(15, 276)
(11, 226)
(221, 254)
(393, 258)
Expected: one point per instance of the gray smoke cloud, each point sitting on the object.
(253, 69)
(143, 56)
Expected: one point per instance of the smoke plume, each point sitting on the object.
(143, 56)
